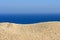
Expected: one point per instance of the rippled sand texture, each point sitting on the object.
(39, 31)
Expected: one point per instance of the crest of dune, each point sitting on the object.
(37, 31)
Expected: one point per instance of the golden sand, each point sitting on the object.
(39, 31)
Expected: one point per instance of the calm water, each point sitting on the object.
(29, 18)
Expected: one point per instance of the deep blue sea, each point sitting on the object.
(28, 18)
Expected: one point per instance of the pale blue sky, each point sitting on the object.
(29, 6)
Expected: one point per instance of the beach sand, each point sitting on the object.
(37, 31)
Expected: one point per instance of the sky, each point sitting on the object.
(29, 6)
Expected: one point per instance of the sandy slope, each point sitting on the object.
(39, 31)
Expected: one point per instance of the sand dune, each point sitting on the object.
(37, 31)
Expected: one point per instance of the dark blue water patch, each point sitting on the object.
(28, 19)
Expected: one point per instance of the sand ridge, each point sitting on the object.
(38, 31)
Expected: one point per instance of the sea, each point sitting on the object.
(29, 18)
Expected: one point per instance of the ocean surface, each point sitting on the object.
(28, 18)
